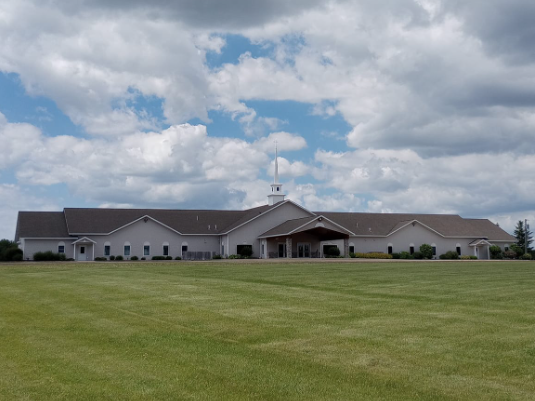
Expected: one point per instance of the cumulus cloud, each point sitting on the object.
(13, 198)
(476, 185)
(439, 96)
(181, 165)
(284, 140)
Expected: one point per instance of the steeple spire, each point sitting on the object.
(276, 176)
(276, 194)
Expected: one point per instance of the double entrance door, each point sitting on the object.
(303, 250)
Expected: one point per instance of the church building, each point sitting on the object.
(279, 229)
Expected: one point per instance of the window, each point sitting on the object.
(166, 250)
(61, 247)
(506, 248)
(458, 249)
(146, 250)
(126, 251)
(107, 249)
(390, 249)
(351, 248)
(434, 246)
(411, 249)
(184, 248)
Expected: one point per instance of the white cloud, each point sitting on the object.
(476, 185)
(285, 141)
(440, 101)
(13, 198)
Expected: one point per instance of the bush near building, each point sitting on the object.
(9, 251)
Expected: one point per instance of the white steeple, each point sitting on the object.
(276, 194)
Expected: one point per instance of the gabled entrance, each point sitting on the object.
(84, 249)
(305, 237)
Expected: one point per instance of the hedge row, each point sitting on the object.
(371, 255)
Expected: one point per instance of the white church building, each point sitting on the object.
(279, 229)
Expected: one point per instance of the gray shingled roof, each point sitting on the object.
(103, 221)
(489, 230)
(291, 225)
(41, 225)
(287, 226)
(382, 224)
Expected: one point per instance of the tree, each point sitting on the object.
(523, 236)
(7, 248)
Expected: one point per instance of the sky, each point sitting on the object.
(420, 106)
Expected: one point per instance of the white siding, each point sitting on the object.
(249, 233)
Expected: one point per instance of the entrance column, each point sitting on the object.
(288, 247)
(346, 247)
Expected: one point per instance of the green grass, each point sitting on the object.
(223, 331)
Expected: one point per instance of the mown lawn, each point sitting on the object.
(224, 331)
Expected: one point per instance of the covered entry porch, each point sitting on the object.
(84, 249)
(304, 238)
(481, 248)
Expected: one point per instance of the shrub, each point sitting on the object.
(100, 259)
(418, 255)
(495, 252)
(246, 251)
(426, 250)
(168, 258)
(12, 254)
(112, 257)
(526, 256)
(143, 258)
(509, 254)
(178, 258)
(134, 258)
(118, 257)
(465, 257)
(518, 250)
(450, 255)
(234, 256)
(373, 255)
(157, 258)
(217, 257)
(405, 255)
(48, 256)
(396, 255)
(332, 252)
